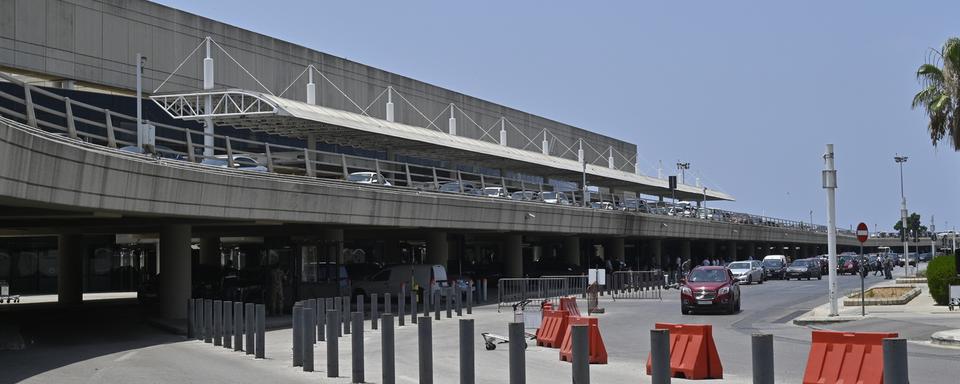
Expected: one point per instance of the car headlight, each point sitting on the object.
(723, 291)
(686, 291)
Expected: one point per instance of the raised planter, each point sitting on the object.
(887, 295)
(911, 280)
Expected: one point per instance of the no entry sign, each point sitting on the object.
(862, 233)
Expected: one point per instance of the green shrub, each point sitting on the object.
(941, 273)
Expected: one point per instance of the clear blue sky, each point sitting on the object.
(747, 92)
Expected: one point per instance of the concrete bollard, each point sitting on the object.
(228, 324)
(426, 297)
(401, 311)
(191, 319)
(762, 358)
(518, 343)
(237, 326)
(309, 338)
(198, 311)
(470, 299)
(217, 323)
(337, 306)
(387, 358)
(322, 319)
(436, 305)
(660, 356)
(250, 327)
(448, 302)
(387, 297)
(297, 335)
(425, 349)
(467, 375)
(357, 350)
(333, 364)
(413, 307)
(261, 325)
(580, 354)
(458, 299)
(895, 369)
(484, 299)
(374, 308)
(360, 301)
(345, 315)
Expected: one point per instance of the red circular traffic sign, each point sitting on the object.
(862, 233)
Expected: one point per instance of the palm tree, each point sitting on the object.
(940, 96)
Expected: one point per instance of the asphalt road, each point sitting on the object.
(108, 346)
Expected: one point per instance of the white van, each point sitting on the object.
(392, 277)
(782, 258)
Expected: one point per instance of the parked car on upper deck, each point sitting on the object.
(372, 178)
(241, 162)
(163, 152)
(525, 196)
(555, 198)
(454, 187)
(495, 192)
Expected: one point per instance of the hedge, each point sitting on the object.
(941, 274)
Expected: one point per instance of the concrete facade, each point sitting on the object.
(96, 41)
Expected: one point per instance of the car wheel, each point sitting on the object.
(732, 308)
(750, 279)
(737, 306)
(684, 310)
(820, 277)
(761, 280)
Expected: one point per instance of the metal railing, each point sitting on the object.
(511, 291)
(636, 284)
(92, 124)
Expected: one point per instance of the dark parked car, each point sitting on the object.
(775, 269)
(710, 288)
(804, 268)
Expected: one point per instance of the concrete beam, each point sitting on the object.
(210, 251)
(513, 255)
(175, 278)
(438, 248)
(571, 250)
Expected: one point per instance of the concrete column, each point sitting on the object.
(710, 248)
(750, 249)
(391, 251)
(656, 250)
(175, 280)
(732, 250)
(210, 251)
(438, 248)
(615, 249)
(70, 270)
(513, 255)
(685, 246)
(571, 250)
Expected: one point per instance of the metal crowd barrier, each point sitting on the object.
(572, 284)
(636, 285)
(511, 291)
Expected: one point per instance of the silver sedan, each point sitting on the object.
(747, 272)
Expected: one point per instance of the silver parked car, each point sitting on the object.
(747, 271)
(555, 198)
(368, 178)
(241, 162)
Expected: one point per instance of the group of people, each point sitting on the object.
(715, 262)
(885, 265)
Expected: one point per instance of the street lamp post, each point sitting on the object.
(903, 215)
(830, 184)
(141, 136)
(683, 167)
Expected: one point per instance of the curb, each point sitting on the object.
(949, 338)
(826, 320)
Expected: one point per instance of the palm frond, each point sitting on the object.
(929, 74)
(924, 97)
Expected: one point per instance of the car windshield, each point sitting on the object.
(799, 263)
(773, 263)
(740, 265)
(217, 162)
(492, 190)
(359, 177)
(549, 195)
(707, 275)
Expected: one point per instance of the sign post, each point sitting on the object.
(862, 236)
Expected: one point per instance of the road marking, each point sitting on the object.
(126, 356)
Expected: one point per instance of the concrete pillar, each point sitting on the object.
(615, 249)
(710, 249)
(732, 250)
(571, 250)
(70, 269)
(438, 248)
(656, 251)
(513, 255)
(685, 246)
(750, 249)
(210, 251)
(175, 280)
(391, 251)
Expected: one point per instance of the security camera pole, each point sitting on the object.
(830, 184)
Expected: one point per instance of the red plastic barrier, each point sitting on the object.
(569, 304)
(845, 357)
(553, 328)
(598, 353)
(693, 355)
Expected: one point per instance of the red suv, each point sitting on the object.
(710, 288)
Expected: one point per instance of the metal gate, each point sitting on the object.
(636, 285)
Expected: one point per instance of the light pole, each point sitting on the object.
(141, 60)
(903, 215)
(683, 167)
(830, 184)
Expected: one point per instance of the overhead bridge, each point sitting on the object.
(261, 112)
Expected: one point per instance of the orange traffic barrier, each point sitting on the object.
(553, 328)
(598, 353)
(569, 304)
(845, 357)
(693, 355)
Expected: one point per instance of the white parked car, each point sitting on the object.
(747, 271)
(428, 278)
(555, 198)
(242, 162)
(368, 178)
(495, 192)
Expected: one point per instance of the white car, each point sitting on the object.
(241, 162)
(391, 278)
(368, 178)
(495, 192)
(555, 198)
(747, 271)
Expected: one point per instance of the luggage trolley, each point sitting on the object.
(5, 296)
(520, 314)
